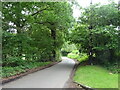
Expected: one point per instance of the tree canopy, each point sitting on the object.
(96, 32)
(34, 30)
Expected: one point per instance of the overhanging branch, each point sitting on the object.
(39, 11)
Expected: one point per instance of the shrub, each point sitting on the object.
(13, 61)
(8, 71)
(78, 56)
(114, 68)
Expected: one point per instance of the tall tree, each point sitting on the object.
(103, 20)
(34, 30)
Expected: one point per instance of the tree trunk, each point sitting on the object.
(111, 56)
(53, 35)
(90, 45)
(90, 56)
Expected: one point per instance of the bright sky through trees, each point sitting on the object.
(85, 3)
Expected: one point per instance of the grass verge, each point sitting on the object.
(96, 77)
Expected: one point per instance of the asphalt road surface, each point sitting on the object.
(52, 77)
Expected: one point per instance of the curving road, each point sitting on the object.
(52, 77)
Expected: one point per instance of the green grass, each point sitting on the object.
(96, 77)
(11, 71)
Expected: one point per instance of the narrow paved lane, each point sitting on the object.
(53, 77)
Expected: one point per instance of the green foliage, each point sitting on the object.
(32, 31)
(95, 33)
(101, 15)
(73, 56)
(67, 48)
(79, 36)
(96, 77)
(11, 71)
(78, 56)
(13, 61)
(114, 67)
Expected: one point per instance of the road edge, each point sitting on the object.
(71, 83)
(15, 77)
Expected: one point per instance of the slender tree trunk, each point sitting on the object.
(53, 35)
(111, 59)
(90, 56)
(90, 35)
(90, 46)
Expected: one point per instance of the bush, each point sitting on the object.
(13, 61)
(114, 68)
(64, 53)
(8, 71)
(78, 56)
(83, 57)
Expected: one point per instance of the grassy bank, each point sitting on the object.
(8, 71)
(96, 77)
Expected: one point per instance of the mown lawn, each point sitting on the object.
(96, 77)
